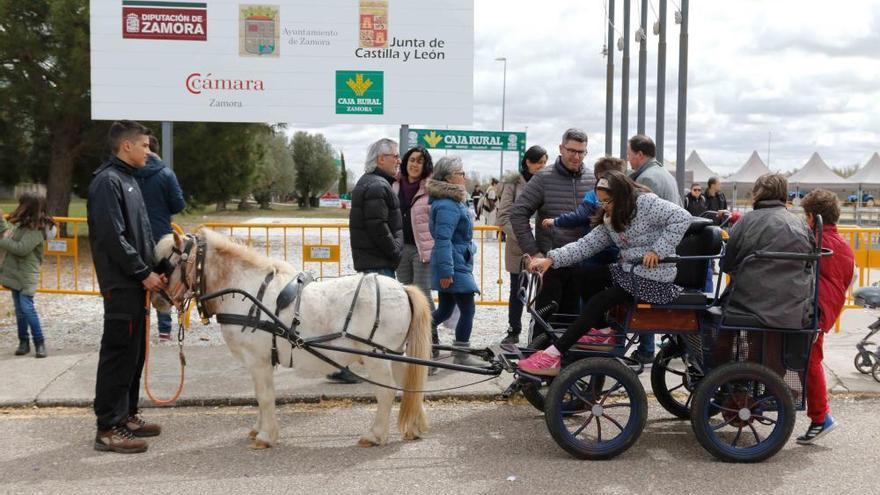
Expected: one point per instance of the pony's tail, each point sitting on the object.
(412, 420)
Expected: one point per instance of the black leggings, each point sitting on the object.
(603, 295)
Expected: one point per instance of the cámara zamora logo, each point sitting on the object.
(196, 83)
(162, 20)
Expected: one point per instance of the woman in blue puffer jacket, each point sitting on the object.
(452, 260)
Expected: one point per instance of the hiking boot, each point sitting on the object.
(512, 336)
(817, 430)
(344, 376)
(24, 347)
(120, 440)
(140, 428)
(40, 349)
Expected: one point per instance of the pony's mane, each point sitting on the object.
(226, 247)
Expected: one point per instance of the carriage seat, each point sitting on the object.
(868, 297)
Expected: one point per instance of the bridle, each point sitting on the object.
(191, 283)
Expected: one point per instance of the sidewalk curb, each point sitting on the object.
(364, 398)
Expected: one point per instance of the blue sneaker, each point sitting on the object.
(817, 430)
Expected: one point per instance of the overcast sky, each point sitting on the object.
(806, 71)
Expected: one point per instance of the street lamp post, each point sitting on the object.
(503, 104)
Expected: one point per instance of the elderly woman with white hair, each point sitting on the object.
(452, 260)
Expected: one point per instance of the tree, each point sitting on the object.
(274, 176)
(215, 161)
(343, 175)
(44, 73)
(313, 162)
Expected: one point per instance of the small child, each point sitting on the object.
(22, 241)
(836, 273)
(581, 216)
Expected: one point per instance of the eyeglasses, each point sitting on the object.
(460, 174)
(582, 152)
(696, 189)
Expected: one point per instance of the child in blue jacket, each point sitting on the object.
(581, 216)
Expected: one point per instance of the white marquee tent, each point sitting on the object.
(701, 172)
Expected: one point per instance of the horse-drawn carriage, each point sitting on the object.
(738, 382)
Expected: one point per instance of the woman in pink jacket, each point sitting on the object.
(415, 262)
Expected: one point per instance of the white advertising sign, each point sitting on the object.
(297, 61)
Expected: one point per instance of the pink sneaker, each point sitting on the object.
(541, 363)
(598, 339)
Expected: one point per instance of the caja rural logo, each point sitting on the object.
(158, 20)
(360, 92)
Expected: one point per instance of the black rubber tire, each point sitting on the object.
(532, 392)
(659, 374)
(605, 371)
(864, 362)
(875, 372)
(739, 377)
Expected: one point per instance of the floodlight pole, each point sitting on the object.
(609, 81)
(682, 97)
(643, 67)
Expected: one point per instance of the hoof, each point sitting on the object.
(252, 434)
(411, 436)
(258, 444)
(366, 443)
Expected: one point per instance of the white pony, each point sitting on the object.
(405, 324)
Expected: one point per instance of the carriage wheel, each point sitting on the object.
(864, 362)
(613, 413)
(672, 382)
(876, 371)
(756, 412)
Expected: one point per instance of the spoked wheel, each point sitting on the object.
(673, 381)
(756, 413)
(865, 362)
(613, 412)
(876, 371)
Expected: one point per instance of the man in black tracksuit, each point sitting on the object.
(122, 250)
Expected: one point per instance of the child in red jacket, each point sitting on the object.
(835, 276)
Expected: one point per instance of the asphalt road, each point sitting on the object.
(472, 448)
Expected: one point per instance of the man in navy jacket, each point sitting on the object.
(163, 198)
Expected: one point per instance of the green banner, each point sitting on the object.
(360, 92)
(450, 139)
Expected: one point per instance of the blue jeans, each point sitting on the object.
(26, 316)
(514, 305)
(164, 320)
(388, 272)
(467, 308)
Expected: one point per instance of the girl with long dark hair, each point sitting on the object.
(646, 229)
(22, 240)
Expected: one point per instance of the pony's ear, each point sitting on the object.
(177, 241)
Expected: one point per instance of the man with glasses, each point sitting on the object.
(694, 202)
(555, 190)
(374, 221)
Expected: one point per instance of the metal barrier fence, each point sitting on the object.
(325, 249)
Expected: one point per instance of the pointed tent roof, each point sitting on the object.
(750, 171)
(817, 173)
(868, 175)
(699, 168)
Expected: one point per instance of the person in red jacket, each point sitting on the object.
(835, 276)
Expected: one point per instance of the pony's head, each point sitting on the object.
(175, 257)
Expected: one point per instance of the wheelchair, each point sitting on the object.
(738, 382)
(867, 361)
